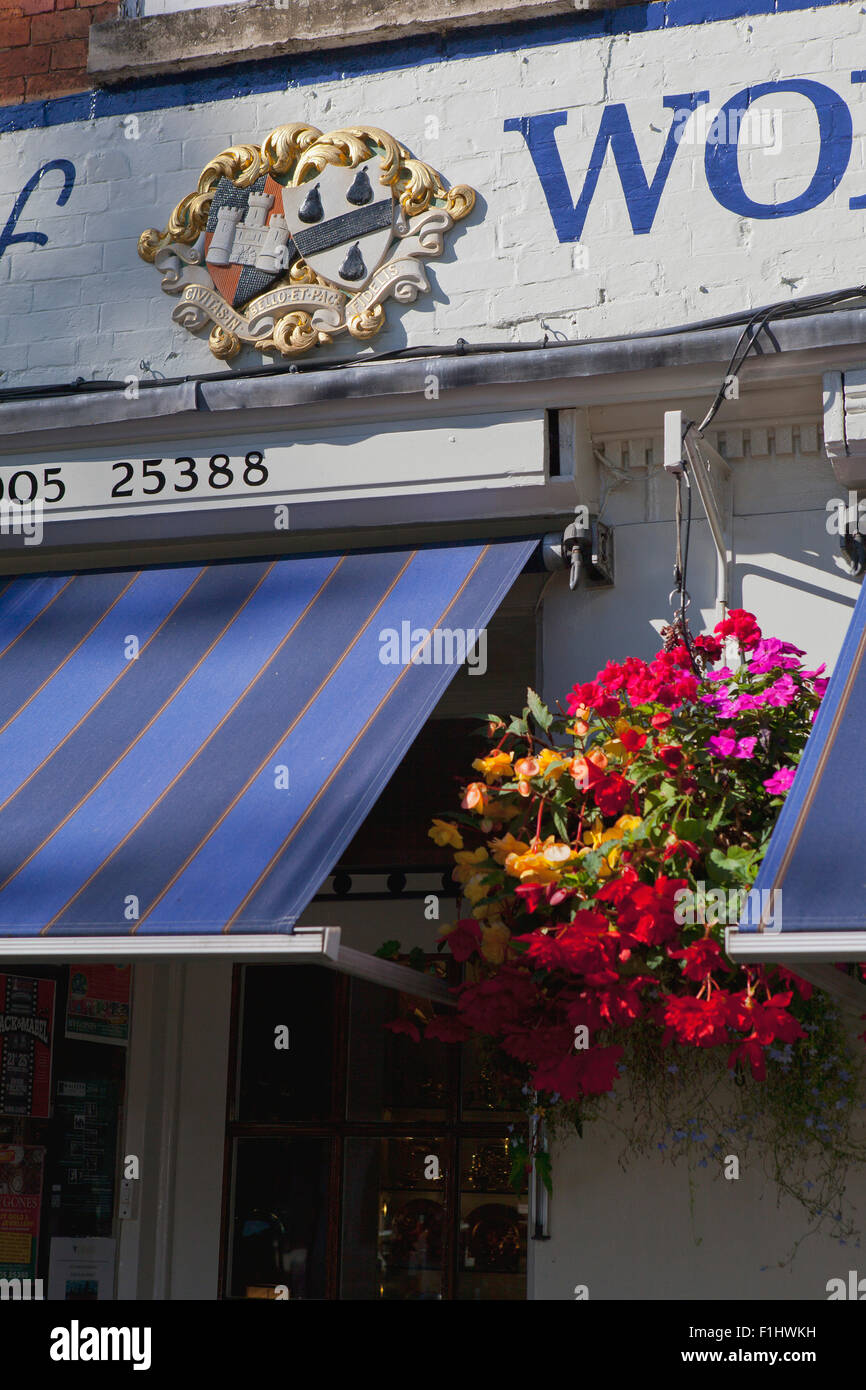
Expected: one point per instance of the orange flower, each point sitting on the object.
(475, 797)
(526, 767)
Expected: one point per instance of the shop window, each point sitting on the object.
(62, 1074)
(381, 1174)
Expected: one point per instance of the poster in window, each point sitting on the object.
(21, 1168)
(98, 1004)
(26, 1023)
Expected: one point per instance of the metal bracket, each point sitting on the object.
(685, 447)
(585, 548)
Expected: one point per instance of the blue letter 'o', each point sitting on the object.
(834, 130)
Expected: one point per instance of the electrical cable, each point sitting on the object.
(793, 308)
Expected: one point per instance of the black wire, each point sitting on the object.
(804, 306)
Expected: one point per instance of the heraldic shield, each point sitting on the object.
(342, 223)
(285, 245)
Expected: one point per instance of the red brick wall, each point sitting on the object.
(43, 46)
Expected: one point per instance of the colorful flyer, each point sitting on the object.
(81, 1271)
(26, 1025)
(98, 1005)
(21, 1169)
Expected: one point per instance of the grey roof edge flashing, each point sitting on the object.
(406, 376)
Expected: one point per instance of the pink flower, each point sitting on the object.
(780, 781)
(746, 747)
(724, 742)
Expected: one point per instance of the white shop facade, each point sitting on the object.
(523, 385)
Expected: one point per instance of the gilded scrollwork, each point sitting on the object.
(317, 308)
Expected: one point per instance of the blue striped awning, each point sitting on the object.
(809, 899)
(188, 750)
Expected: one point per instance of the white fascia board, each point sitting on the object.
(314, 946)
(787, 948)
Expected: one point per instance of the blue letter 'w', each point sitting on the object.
(641, 197)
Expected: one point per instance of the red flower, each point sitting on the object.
(671, 754)
(661, 719)
(742, 626)
(686, 847)
(711, 647)
(701, 959)
(489, 1006)
(534, 894)
(465, 939)
(752, 1052)
(804, 989)
(448, 1030)
(701, 1022)
(405, 1025)
(588, 1073)
(767, 1022)
(612, 794)
(632, 740)
(583, 947)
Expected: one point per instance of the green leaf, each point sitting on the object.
(542, 1163)
(540, 713)
(416, 958)
(388, 950)
(517, 726)
(560, 820)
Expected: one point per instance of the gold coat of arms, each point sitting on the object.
(287, 244)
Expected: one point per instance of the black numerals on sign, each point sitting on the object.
(253, 463)
(220, 475)
(120, 489)
(189, 473)
(24, 485)
(219, 468)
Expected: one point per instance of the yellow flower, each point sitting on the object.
(467, 863)
(501, 849)
(495, 765)
(494, 941)
(556, 853)
(543, 864)
(445, 832)
(552, 763)
(594, 839)
(501, 810)
(474, 890)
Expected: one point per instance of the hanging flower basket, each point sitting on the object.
(601, 850)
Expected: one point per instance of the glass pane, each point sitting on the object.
(492, 1247)
(393, 1218)
(277, 1084)
(280, 1218)
(391, 1077)
(486, 1089)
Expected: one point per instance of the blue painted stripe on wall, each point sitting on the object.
(303, 70)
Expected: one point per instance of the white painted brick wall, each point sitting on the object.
(84, 304)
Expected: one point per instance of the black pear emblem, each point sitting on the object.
(360, 192)
(353, 267)
(311, 208)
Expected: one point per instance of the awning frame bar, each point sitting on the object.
(303, 946)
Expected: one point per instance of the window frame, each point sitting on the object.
(451, 1128)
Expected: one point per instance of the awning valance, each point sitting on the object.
(185, 752)
(809, 900)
